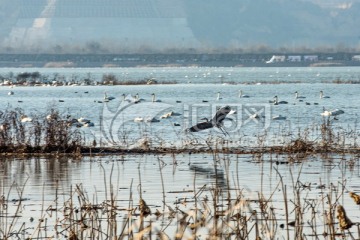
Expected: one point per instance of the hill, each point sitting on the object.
(128, 26)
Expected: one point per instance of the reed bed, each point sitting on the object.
(54, 133)
(38, 79)
(48, 133)
(216, 211)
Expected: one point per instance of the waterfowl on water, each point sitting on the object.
(108, 98)
(241, 95)
(279, 117)
(83, 120)
(154, 98)
(322, 95)
(89, 124)
(297, 96)
(335, 112)
(25, 118)
(138, 119)
(170, 114)
(125, 99)
(276, 101)
(137, 99)
(151, 120)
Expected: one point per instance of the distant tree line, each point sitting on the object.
(94, 47)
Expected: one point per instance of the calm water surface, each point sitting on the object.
(49, 182)
(198, 99)
(193, 97)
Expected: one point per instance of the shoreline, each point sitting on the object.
(111, 151)
(173, 60)
(205, 64)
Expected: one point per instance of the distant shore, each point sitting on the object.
(167, 60)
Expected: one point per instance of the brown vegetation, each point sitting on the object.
(215, 211)
(21, 134)
(52, 133)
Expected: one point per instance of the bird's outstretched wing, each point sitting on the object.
(216, 121)
(201, 126)
(220, 116)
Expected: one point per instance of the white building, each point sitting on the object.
(296, 58)
(276, 58)
(311, 58)
(356, 58)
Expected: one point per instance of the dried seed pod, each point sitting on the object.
(72, 235)
(355, 197)
(144, 208)
(344, 221)
(158, 213)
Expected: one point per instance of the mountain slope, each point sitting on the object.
(276, 23)
(132, 25)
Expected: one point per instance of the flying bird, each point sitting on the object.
(216, 121)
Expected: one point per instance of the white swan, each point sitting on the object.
(169, 114)
(154, 98)
(124, 98)
(276, 101)
(89, 124)
(4, 127)
(108, 98)
(322, 95)
(166, 115)
(297, 96)
(332, 113)
(138, 119)
(279, 117)
(51, 117)
(74, 122)
(241, 95)
(151, 120)
(83, 120)
(25, 118)
(138, 99)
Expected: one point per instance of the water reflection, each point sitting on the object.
(213, 173)
(51, 181)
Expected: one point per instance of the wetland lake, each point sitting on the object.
(197, 186)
